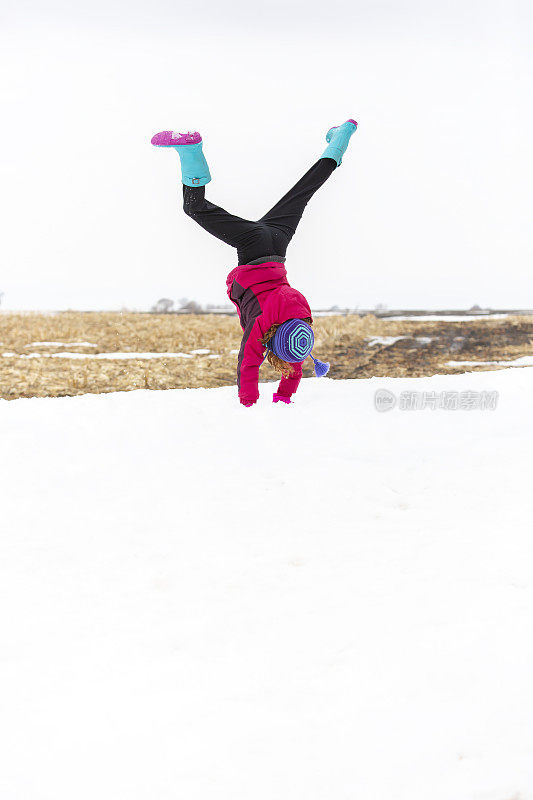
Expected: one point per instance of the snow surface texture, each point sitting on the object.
(372, 341)
(112, 356)
(524, 361)
(305, 601)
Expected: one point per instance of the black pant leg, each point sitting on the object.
(215, 220)
(252, 240)
(287, 213)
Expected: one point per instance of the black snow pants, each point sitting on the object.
(268, 237)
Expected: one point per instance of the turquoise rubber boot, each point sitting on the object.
(194, 169)
(338, 138)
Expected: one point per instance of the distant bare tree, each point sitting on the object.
(163, 306)
(191, 307)
(1, 295)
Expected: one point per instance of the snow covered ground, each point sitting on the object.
(199, 600)
(372, 341)
(524, 361)
(100, 356)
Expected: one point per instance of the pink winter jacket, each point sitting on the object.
(263, 297)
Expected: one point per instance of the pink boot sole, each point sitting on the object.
(348, 120)
(172, 138)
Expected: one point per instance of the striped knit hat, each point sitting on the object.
(293, 342)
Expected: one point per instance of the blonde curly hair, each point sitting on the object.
(279, 365)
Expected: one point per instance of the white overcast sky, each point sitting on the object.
(432, 206)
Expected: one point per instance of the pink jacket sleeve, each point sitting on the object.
(288, 386)
(250, 359)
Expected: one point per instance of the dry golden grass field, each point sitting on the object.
(52, 355)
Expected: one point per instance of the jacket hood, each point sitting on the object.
(283, 304)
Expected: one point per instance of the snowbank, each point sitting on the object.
(524, 361)
(101, 356)
(309, 601)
